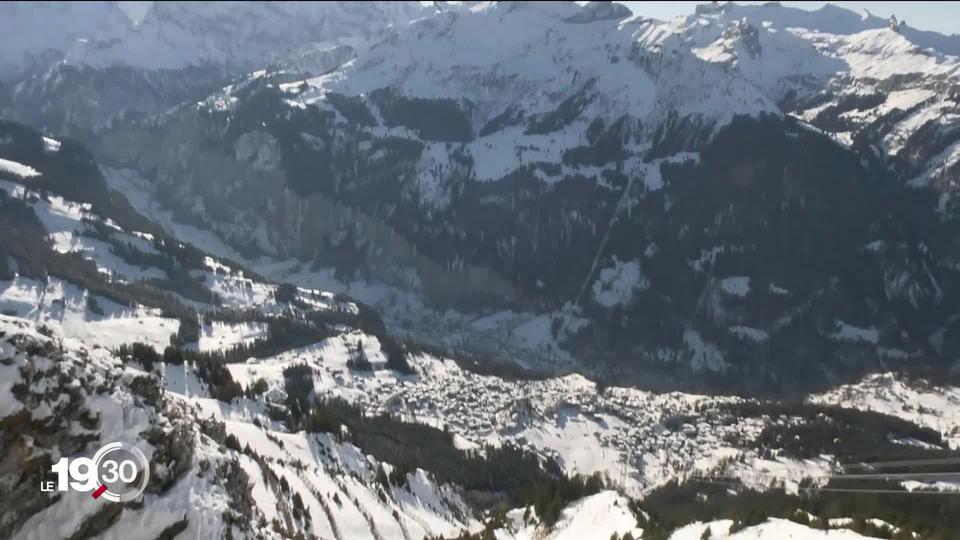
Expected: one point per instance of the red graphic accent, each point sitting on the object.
(100, 491)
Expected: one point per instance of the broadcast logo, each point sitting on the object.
(118, 472)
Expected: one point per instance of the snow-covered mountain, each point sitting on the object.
(175, 35)
(28, 39)
(268, 410)
(701, 196)
(98, 63)
(504, 270)
(241, 35)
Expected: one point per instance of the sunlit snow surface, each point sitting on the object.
(17, 169)
(923, 403)
(323, 470)
(780, 529)
(318, 467)
(618, 432)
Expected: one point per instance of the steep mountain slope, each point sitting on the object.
(268, 410)
(177, 35)
(241, 36)
(648, 192)
(77, 289)
(27, 40)
(198, 487)
(729, 201)
(100, 64)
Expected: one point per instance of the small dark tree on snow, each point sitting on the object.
(189, 331)
(286, 293)
(93, 306)
(298, 510)
(396, 356)
(232, 443)
(258, 387)
(358, 358)
(381, 477)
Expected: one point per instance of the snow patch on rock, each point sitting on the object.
(617, 284)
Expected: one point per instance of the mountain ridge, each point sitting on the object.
(602, 183)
